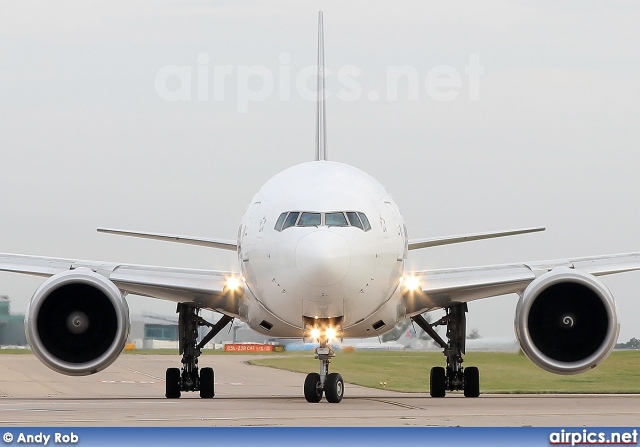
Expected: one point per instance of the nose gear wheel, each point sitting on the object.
(317, 384)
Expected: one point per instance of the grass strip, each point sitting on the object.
(506, 373)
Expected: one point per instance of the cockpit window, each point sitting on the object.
(336, 220)
(316, 219)
(310, 220)
(365, 221)
(291, 220)
(354, 220)
(280, 221)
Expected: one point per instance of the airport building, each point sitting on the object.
(11, 326)
(160, 332)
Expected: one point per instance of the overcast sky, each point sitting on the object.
(548, 136)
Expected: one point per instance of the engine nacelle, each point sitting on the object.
(566, 321)
(77, 322)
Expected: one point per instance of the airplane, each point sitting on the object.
(322, 251)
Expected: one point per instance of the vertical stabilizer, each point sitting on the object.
(321, 116)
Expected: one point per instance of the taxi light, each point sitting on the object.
(315, 333)
(331, 333)
(233, 283)
(412, 283)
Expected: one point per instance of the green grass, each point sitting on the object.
(13, 351)
(499, 372)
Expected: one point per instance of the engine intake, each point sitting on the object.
(77, 322)
(566, 321)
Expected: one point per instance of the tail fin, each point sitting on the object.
(321, 117)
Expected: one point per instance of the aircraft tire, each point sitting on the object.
(172, 383)
(437, 382)
(471, 382)
(312, 392)
(207, 390)
(334, 388)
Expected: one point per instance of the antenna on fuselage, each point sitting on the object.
(321, 116)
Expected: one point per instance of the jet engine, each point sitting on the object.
(566, 321)
(77, 322)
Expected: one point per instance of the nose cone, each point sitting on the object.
(323, 258)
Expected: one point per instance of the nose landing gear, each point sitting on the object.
(331, 385)
(316, 384)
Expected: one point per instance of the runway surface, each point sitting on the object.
(131, 393)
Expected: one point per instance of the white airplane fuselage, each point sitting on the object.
(347, 273)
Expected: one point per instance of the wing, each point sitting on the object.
(202, 242)
(441, 288)
(415, 244)
(205, 288)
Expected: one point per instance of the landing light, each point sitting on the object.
(315, 333)
(331, 333)
(233, 283)
(412, 283)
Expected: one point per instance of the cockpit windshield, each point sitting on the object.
(310, 220)
(336, 220)
(317, 219)
(291, 220)
(354, 220)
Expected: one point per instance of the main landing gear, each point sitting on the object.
(190, 378)
(454, 377)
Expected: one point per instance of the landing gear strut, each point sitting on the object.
(454, 377)
(329, 384)
(190, 378)
(316, 384)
